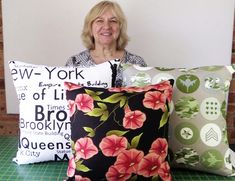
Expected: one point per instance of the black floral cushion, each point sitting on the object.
(119, 134)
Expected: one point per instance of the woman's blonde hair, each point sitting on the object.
(97, 10)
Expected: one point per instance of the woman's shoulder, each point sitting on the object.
(134, 59)
(80, 59)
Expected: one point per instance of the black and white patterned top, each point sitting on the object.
(84, 59)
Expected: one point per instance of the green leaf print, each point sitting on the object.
(114, 98)
(135, 141)
(90, 131)
(164, 119)
(102, 112)
(102, 106)
(123, 101)
(72, 146)
(81, 167)
(116, 132)
(94, 95)
(96, 112)
(104, 116)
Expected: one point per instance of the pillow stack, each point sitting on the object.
(159, 118)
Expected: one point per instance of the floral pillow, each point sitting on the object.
(119, 133)
(197, 125)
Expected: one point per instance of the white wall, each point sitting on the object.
(173, 33)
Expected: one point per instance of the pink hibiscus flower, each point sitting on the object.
(84, 102)
(155, 100)
(113, 145)
(164, 172)
(71, 86)
(71, 167)
(149, 165)
(80, 178)
(72, 107)
(113, 174)
(160, 147)
(133, 119)
(128, 160)
(85, 148)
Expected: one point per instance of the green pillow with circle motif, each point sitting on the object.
(197, 126)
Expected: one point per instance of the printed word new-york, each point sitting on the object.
(53, 72)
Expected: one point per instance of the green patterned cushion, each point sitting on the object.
(197, 126)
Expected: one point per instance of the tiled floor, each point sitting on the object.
(56, 171)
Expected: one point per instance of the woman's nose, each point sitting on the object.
(106, 24)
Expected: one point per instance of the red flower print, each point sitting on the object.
(80, 178)
(115, 89)
(85, 148)
(164, 172)
(127, 89)
(164, 85)
(72, 107)
(71, 86)
(84, 102)
(113, 145)
(160, 147)
(149, 165)
(155, 100)
(71, 167)
(168, 93)
(133, 119)
(128, 160)
(134, 89)
(113, 174)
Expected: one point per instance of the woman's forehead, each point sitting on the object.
(107, 10)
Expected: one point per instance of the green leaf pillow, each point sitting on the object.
(119, 132)
(197, 126)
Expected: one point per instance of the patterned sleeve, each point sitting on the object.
(70, 62)
(82, 60)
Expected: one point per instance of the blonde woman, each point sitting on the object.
(105, 37)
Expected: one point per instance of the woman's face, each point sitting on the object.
(106, 29)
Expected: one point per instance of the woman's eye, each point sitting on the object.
(99, 21)
(114, 21)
